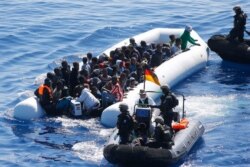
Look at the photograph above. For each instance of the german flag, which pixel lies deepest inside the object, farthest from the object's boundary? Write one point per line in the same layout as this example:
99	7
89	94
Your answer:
151	76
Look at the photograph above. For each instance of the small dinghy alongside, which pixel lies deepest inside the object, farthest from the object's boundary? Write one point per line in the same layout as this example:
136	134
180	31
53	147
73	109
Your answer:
232	51
187	133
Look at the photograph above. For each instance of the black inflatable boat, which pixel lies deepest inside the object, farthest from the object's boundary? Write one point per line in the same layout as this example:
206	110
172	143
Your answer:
184	140
230	50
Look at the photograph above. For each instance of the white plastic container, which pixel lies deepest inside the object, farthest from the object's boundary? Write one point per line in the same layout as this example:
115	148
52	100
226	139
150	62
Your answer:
77	109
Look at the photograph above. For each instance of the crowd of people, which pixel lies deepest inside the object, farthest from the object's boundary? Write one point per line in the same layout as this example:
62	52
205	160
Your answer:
103	80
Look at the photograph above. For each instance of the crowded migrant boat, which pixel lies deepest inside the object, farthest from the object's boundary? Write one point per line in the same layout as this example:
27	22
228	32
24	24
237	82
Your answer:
97	82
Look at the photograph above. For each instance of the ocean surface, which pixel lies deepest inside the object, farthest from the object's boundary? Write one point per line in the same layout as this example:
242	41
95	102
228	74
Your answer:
35	36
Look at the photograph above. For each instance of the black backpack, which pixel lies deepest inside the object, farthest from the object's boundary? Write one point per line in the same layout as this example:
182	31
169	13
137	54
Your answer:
175	101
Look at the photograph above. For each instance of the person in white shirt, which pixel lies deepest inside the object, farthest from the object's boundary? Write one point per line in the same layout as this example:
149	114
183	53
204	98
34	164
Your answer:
145	100
90	102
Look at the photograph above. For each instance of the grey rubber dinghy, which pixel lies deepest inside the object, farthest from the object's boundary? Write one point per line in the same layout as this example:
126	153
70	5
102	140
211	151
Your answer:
183	139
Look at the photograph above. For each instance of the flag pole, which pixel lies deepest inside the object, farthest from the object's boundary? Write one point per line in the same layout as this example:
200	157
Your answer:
144	77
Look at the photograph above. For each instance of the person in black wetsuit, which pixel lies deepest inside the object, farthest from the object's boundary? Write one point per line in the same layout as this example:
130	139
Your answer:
237	32
168	102
125	124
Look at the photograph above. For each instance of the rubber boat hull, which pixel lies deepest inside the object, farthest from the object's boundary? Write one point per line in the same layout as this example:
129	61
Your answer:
230	50
169	73
184	140
29	109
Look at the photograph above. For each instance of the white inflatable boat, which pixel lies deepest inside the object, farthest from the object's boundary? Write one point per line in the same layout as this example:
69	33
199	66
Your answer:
169	73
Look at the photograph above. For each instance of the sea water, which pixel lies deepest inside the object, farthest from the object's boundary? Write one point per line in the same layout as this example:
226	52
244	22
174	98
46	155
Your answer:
35	36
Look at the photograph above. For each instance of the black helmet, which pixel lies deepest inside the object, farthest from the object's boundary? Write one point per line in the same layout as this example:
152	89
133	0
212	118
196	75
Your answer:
123	107
159	120
237	8
165	88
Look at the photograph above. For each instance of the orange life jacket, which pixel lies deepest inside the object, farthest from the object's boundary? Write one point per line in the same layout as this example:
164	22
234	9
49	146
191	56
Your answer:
181	125
41	89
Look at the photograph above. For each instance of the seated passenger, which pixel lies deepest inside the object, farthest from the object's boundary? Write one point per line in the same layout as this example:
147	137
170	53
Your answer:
63	105
124	124
142	135
162	134
90	102
172	40
57	92
112	94
132	83
44	94
166	51
177	47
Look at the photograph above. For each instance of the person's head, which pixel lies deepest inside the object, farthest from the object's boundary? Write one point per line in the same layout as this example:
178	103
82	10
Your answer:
85	85
84	60
47	82
143	43
50	76
159	120
142	127
89	56
172	37
237	9
114	80
132	41
65	91
133	60
165	89
159	47
64	64
81	79
76	65
123	107
178	41
57	71
132	82
59	85
188	28
142	94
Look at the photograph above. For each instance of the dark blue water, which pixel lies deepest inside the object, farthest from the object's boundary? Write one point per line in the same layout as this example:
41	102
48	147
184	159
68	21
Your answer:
36	35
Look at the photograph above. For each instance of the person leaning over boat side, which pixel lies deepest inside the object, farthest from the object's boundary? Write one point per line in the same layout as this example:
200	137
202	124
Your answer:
185	38
168	102
44	94
125	124
90	102
239	25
